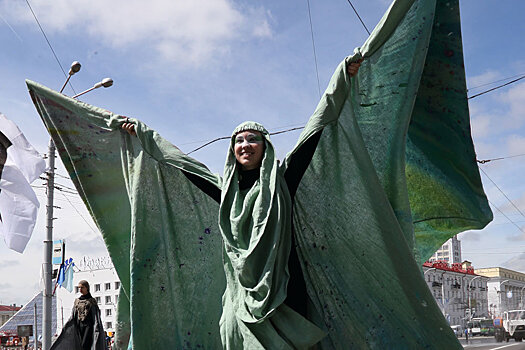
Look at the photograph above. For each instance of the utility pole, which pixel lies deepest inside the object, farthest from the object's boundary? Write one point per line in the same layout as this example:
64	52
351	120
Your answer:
48	252
35	331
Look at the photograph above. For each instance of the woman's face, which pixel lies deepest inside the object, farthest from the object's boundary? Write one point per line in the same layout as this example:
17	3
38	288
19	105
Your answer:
82	289
249	149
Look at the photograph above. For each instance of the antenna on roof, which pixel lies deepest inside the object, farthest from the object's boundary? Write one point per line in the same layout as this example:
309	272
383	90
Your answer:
106	82
75	67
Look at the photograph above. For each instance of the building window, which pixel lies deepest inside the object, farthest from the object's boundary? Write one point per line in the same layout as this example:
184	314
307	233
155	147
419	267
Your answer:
97	287
117	285
108	299
108	312
98	300
108	286
109	325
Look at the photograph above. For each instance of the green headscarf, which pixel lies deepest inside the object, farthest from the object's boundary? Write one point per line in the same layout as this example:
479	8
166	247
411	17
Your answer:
256	227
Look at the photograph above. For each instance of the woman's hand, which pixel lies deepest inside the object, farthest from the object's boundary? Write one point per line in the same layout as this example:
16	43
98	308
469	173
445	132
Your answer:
129	127
353	67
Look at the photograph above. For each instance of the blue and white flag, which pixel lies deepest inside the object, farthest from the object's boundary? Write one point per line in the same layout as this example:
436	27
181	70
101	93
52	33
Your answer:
65	275
20	164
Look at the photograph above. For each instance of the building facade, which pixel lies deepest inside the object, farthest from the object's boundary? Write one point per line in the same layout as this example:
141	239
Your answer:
104	287
26	316
450	252
458	291
7	311
505	289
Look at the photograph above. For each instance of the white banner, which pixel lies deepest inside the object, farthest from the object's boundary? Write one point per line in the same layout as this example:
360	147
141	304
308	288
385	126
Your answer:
20	164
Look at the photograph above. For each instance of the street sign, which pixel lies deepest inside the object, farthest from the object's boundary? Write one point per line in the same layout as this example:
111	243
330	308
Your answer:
24	330
58	251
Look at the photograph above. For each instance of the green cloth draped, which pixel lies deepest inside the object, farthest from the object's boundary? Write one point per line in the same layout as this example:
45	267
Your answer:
256	228
393	176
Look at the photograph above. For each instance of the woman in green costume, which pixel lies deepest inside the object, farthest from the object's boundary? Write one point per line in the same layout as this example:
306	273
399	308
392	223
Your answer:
393	176
265	304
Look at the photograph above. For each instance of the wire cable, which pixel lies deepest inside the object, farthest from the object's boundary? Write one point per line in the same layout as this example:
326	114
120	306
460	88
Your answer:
82	216
228	137
519	228
363	23
497	87
483	161
495	81
503	193
49	44
313	45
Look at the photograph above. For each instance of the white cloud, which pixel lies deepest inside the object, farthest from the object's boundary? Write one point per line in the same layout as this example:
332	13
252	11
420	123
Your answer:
481	126
514	97
472	235
515	145
188	32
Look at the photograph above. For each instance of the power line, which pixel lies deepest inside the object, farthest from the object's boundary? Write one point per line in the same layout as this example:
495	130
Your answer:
313	46
363	23
497	87
228	137
503	193
82	216
519	228
483	161
495	81
49	43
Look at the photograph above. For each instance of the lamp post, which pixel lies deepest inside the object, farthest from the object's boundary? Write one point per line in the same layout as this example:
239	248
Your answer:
442	288
432	268
500	301
521	297
443	292
469	293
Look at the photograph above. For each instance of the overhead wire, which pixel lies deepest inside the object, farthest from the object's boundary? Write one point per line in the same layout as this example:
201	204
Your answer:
228	137
49	44
497	87
483	161
313	46
495	81
82	216
357	14
498	209
503	193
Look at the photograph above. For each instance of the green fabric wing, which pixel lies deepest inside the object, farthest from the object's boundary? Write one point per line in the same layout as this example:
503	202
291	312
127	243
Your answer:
444	186
367	184
160	230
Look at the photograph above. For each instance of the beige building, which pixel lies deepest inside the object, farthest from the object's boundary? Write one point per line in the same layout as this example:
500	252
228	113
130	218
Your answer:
455	287
505	289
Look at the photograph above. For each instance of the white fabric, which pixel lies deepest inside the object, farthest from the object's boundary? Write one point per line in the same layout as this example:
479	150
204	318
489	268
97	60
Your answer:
18	202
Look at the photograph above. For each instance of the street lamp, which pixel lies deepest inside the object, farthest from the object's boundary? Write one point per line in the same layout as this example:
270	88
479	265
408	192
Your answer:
500	301
433	268
469	293
442	288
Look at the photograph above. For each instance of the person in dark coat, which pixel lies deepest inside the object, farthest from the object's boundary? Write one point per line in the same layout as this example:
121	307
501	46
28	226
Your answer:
84	330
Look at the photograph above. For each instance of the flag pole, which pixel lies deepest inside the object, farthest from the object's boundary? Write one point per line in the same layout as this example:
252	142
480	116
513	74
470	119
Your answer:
48	251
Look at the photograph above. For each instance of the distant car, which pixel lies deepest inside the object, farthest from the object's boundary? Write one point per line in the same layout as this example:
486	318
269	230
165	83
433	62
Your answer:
457	330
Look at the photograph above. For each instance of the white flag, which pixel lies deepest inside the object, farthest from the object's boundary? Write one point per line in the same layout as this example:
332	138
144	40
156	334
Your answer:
20	164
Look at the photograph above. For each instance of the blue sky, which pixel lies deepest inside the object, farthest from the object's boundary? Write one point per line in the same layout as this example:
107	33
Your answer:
193	70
